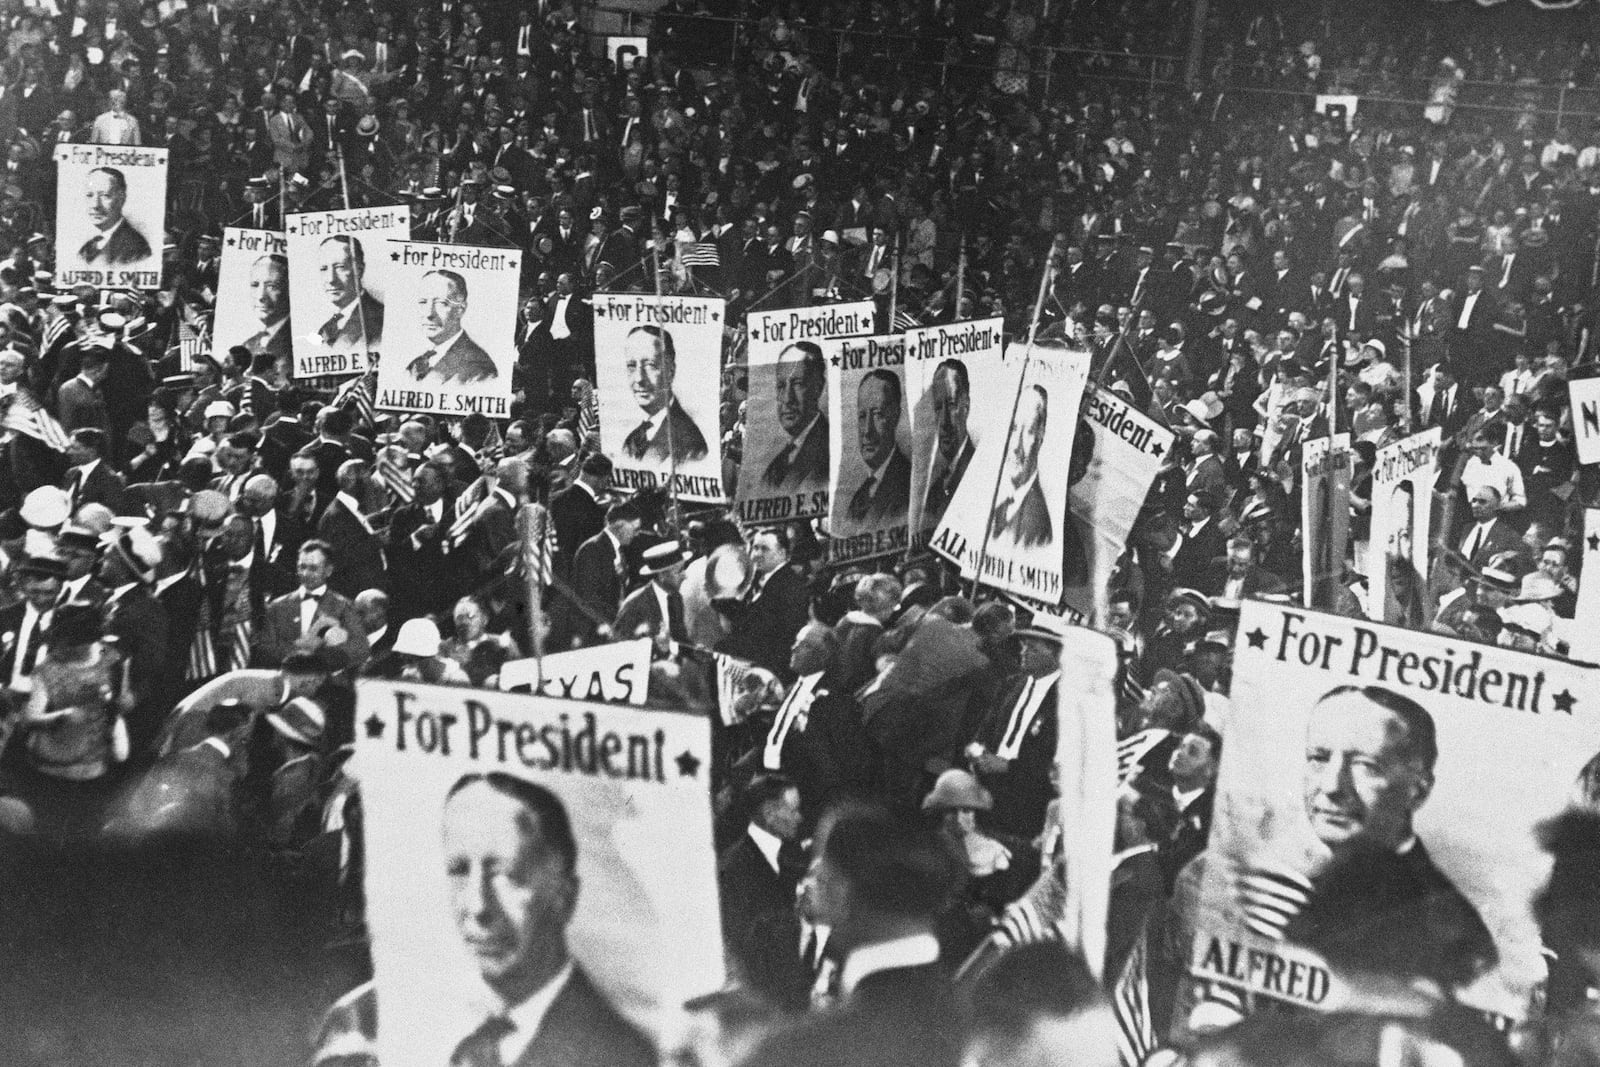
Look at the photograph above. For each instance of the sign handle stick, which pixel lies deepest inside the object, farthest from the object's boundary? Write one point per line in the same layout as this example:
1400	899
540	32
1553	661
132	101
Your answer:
672	452
1011	423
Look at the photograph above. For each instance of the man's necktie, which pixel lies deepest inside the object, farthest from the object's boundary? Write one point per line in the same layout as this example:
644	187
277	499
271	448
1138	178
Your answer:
329	330
260	539
420	366
91	247
1474	542
863	498
481	1048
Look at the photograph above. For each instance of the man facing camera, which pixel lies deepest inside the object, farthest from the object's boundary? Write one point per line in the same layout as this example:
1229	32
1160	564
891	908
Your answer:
1021	516
667	434
886	490
269	299
801	379
356	317
453	357
116	242
1369	768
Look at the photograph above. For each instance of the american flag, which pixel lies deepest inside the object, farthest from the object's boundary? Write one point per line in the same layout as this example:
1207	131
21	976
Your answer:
358	391
701	254
904	320
588	420
25	415
540	544
191	343
1130	1005
731	673
465	517
395	478
58	326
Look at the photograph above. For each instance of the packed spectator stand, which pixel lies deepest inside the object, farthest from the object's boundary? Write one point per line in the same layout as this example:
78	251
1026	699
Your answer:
1286	222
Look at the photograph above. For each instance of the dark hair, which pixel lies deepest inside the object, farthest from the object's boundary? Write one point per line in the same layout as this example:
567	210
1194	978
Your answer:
554	825
94	357
245	439
117	178
893	865
623	511
1421	738
1208	733
91	437
456	281
762	790
781	533
1032	982
811	360
352	245
336	421
890	379
317	544
669	351
959	369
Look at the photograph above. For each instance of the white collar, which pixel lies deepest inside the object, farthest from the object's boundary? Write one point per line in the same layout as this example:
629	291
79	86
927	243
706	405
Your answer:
799	439
655	421
1184	797
915	950
528	1016
319	592
1019	494
768	843
441	349
352	503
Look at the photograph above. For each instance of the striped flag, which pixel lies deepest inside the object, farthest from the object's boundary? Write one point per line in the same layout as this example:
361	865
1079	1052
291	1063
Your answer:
25	415
52	333
1131	751
395	478
701	254
731	674
464	520
539	548
192	343
1130	1005
904	320
359	391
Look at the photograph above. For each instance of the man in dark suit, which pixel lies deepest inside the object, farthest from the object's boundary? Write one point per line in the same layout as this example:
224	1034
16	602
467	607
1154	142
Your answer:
1193	766
577	511
312	611
758	874
1014	748
598	572
951	394
1489	534
355	550
511	859
1021	516
1239	575
655	609
355	316
764	622
452	355
1471	337
878	886
1380	870
1202	540
422	577
886	491
79	402
801	379
89	480
277	539
667	435
269	299
116	241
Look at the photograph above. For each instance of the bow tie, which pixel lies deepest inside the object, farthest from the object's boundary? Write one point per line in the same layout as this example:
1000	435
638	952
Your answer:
313	597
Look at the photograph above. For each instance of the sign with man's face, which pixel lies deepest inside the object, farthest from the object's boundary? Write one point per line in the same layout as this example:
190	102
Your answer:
941	365
659	416
449	341
786	466
342	276
1007	521
507	835
253	294
111	204
1402	509
1376	810
870	439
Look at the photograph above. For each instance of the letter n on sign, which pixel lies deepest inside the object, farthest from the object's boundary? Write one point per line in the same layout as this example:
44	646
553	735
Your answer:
1585	393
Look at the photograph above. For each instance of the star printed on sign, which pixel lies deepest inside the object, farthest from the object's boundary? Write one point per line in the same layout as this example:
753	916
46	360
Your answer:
1257	638
601	311
834	360
688	765
294	229
374	726
395	256
1156	449
716	316
1564	701
232	242
1594	542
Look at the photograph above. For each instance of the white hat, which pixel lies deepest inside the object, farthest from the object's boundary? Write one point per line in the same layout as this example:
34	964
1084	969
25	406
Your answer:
417	637
220	409
831	236
46	507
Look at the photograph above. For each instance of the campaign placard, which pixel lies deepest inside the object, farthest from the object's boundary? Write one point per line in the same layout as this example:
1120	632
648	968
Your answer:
1008	521
507	836
1583	630
1376	808
253	294
342	279
1115	458
1325	464
1584	397
870	440
451	344
111	215
941	363
1402	511
785	472
659	419
615	673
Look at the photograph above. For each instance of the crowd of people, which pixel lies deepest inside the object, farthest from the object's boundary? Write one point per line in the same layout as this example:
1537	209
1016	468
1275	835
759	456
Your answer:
202	554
